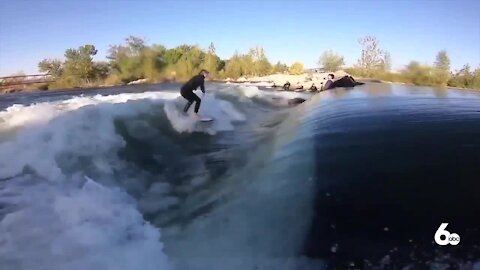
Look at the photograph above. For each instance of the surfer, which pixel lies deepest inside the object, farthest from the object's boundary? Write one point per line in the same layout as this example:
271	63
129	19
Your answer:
187	91
329	83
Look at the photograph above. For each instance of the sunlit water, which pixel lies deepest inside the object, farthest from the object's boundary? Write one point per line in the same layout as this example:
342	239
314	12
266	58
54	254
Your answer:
352	178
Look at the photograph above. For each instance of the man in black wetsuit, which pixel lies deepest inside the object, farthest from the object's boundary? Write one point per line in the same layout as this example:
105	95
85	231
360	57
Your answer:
329	83
188	88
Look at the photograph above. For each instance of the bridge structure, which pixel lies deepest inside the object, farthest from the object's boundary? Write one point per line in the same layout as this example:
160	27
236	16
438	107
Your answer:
25	79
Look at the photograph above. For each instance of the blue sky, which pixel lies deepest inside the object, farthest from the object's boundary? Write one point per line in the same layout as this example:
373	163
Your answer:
31	30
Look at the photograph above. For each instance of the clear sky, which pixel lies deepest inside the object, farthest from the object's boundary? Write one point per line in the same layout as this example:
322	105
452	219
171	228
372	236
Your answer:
31	30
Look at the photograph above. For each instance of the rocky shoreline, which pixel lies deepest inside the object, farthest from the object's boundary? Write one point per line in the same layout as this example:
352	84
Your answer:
302	82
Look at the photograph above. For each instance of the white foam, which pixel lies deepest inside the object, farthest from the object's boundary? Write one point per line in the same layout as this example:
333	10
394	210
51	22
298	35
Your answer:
260	83
57	220
54	218
40	113
250	91
223	113
273	97
92	227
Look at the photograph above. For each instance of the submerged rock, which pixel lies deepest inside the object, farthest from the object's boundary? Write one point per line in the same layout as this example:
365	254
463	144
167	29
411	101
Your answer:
295	101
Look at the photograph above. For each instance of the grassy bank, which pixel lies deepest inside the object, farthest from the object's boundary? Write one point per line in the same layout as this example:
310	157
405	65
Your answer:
424	76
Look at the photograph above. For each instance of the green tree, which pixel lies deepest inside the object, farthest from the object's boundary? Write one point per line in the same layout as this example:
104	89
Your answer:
418	74
136	60
258	62
233	67
465	78
51	66
264	67
442	68
212	61
190	62
331	61
172	56
101	70
79	64
476	79
135	44
296	68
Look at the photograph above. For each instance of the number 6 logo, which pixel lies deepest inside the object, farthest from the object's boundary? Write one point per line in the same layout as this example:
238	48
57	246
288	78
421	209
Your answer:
450	238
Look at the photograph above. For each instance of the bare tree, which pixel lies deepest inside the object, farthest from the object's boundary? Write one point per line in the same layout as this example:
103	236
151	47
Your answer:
373	59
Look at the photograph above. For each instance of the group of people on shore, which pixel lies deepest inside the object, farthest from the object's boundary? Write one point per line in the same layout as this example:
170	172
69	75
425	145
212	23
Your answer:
345	81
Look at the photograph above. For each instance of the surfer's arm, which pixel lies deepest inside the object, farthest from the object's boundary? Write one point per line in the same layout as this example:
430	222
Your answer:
202	86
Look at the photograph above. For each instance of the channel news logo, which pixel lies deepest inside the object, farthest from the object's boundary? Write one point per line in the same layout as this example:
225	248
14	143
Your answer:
444	237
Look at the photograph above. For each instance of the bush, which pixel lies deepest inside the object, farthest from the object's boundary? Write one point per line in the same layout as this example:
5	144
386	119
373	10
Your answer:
113	79
43	87
296	68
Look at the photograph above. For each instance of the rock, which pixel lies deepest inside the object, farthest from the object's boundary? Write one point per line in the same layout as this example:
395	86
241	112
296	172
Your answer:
295	101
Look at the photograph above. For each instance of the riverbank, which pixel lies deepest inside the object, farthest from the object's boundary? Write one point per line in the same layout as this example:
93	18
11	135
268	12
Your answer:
305	81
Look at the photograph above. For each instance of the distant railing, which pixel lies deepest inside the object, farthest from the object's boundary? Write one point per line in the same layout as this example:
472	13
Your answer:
26	79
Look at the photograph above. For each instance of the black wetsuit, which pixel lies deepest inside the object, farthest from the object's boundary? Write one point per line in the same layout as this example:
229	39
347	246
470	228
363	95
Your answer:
328	85
187	91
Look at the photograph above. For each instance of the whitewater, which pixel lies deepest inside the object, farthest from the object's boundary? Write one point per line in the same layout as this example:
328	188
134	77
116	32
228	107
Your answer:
71	197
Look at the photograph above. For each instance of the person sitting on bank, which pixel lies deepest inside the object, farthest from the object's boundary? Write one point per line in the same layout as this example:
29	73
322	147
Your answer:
286	86
329	83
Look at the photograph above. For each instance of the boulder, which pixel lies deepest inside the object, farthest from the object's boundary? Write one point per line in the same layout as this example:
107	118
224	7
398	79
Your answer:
295	101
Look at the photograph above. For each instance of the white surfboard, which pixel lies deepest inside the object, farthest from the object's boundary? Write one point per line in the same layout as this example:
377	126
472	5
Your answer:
206	119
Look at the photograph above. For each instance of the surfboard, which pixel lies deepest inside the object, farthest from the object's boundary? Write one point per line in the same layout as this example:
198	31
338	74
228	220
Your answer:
206	119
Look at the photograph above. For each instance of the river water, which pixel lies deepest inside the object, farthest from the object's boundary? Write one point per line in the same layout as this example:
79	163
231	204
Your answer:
352	178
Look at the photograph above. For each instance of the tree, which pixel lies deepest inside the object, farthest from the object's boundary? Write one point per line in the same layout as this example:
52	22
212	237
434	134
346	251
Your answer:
331	61
233	67
190	62
463	78
51	66
212	61
386	62
172	56
135	60
296	68
372	59
135	44
418	74
442	68
279	68
79	63
101	70
257	62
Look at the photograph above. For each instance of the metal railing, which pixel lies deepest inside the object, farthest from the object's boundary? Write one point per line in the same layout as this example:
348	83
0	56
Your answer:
26	79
